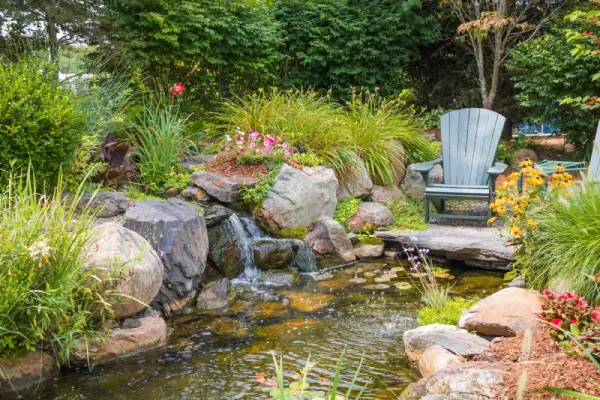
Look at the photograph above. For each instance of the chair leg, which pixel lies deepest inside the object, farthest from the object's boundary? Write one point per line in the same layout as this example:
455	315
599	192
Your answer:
426	210
442	205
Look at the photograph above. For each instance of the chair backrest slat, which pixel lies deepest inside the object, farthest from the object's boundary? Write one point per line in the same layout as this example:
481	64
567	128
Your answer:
470	140
594	168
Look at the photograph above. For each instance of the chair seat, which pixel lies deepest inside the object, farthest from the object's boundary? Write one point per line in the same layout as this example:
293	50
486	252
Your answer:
457	191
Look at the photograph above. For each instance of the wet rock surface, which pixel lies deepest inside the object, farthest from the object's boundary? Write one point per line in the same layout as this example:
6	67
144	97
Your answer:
216	294
329	237
272	253
24	372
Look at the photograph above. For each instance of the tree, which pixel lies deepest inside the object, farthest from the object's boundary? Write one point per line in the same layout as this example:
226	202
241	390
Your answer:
55	22
490	28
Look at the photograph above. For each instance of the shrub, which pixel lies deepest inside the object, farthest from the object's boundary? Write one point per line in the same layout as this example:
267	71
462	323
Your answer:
449	315
45	300
564	250
408	215
39	120
254	196
345	209
308	159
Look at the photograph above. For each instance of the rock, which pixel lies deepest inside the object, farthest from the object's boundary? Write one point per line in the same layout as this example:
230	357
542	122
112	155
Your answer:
392	254
357	184
384	194
366	250
518	283
179	305
21	373
308	302
190	162
224	189
227	248
269	309
323	277
106	204
436	358
272	253
194	194
505	313
454	396
521	155
414	185
122	343
329	237
178	233
304	257
297	198
131	323
472	380
279	277
215	214
399	173
174	191
127	265
216	294
458	341
353	238
370	214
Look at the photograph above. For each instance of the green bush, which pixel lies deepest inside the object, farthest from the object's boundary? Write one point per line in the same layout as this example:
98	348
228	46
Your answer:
39	120
449	314
504	153
563	252
408	215
345	209
307	159
45	301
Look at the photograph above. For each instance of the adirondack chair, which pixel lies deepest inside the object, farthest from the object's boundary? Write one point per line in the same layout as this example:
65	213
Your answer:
594	167
470	140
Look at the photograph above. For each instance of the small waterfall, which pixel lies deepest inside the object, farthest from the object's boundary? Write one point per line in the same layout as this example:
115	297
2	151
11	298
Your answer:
252	228
245	241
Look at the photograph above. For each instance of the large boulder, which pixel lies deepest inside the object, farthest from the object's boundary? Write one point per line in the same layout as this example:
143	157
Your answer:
472	380
272	253
304	256
178	233
298	198
122	343
104	204
384	194
216	294
194	194
522	155
329	237
229	247
414	185
458	341
127	265
27	371
436	358
356	184
370	214
368	250
505	313
224	189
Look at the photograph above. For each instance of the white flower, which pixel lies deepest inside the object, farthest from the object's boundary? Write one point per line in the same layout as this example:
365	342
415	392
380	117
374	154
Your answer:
39	250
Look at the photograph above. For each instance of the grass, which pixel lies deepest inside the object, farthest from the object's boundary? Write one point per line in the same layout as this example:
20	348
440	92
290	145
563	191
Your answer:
448	315
408	215
45	300
564	250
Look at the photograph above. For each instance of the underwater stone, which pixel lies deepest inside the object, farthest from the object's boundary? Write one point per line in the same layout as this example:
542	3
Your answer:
272	253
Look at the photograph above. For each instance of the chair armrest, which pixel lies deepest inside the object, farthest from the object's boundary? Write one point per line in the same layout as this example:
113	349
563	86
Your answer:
427	166
497	169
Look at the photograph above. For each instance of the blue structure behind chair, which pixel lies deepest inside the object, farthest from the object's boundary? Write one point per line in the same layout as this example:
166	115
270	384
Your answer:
470	139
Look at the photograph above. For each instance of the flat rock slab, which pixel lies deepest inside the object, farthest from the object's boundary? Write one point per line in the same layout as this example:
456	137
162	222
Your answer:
477	247
458	341
505	313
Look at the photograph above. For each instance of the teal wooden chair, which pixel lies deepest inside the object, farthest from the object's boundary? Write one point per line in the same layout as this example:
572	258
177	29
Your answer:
470	140
594	167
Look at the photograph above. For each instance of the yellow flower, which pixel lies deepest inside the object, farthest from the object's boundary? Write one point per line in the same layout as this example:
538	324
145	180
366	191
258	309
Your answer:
514	176
515	231
491	220
531	222
559	168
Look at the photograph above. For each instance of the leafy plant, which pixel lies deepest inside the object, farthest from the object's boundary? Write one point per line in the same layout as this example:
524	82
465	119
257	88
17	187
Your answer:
504	153
308	159
430	119
114	153
45	299
449	314
345	209
40	123
408	215
254	196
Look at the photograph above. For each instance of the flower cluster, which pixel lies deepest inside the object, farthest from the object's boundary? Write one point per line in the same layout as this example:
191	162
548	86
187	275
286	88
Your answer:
513	205
256	146
177	89
573	322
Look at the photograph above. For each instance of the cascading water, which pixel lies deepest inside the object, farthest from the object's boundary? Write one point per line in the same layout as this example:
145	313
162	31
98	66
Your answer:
245	242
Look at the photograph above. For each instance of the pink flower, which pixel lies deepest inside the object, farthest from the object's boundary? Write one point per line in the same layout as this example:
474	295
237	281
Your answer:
252	145
227	148
288	153
548	293
582	303
556	323
570	295
596	315
270	139
284	145
258	135
177	89
238	138
561	297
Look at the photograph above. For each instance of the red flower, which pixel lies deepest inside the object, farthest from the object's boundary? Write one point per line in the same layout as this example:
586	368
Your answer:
177	89
570	295
574	322
596	316
548	293
556	323
582	303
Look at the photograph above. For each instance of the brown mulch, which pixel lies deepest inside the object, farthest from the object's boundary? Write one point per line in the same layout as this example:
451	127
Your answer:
547	365
227	167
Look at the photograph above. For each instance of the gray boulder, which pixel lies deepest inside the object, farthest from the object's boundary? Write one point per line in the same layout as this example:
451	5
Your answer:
458	341
368	250
178	233
216	294
329	237
414	185
194	194
191	162
24	372
357	184
272	253
370	214
127	265
228	250
521	155
384	194
224	189
297	198
304	256
279	277
105	204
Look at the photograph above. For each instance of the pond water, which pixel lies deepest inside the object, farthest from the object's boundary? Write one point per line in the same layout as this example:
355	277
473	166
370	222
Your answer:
228	354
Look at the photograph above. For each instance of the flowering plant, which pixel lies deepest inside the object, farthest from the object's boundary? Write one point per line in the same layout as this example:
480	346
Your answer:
568	312
177	89
513	204
255	147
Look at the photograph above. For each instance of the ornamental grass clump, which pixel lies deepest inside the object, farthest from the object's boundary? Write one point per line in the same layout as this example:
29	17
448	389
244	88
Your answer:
45	302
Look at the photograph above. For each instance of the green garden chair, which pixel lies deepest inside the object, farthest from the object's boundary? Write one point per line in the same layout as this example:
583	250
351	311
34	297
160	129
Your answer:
470	140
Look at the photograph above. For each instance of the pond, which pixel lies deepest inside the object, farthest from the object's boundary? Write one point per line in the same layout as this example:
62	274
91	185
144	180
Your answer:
228	354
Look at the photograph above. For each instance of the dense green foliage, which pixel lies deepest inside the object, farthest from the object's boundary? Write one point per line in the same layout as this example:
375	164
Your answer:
448	315
563	253
408	215
44	298
337	45
345	209
545	72
39	120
